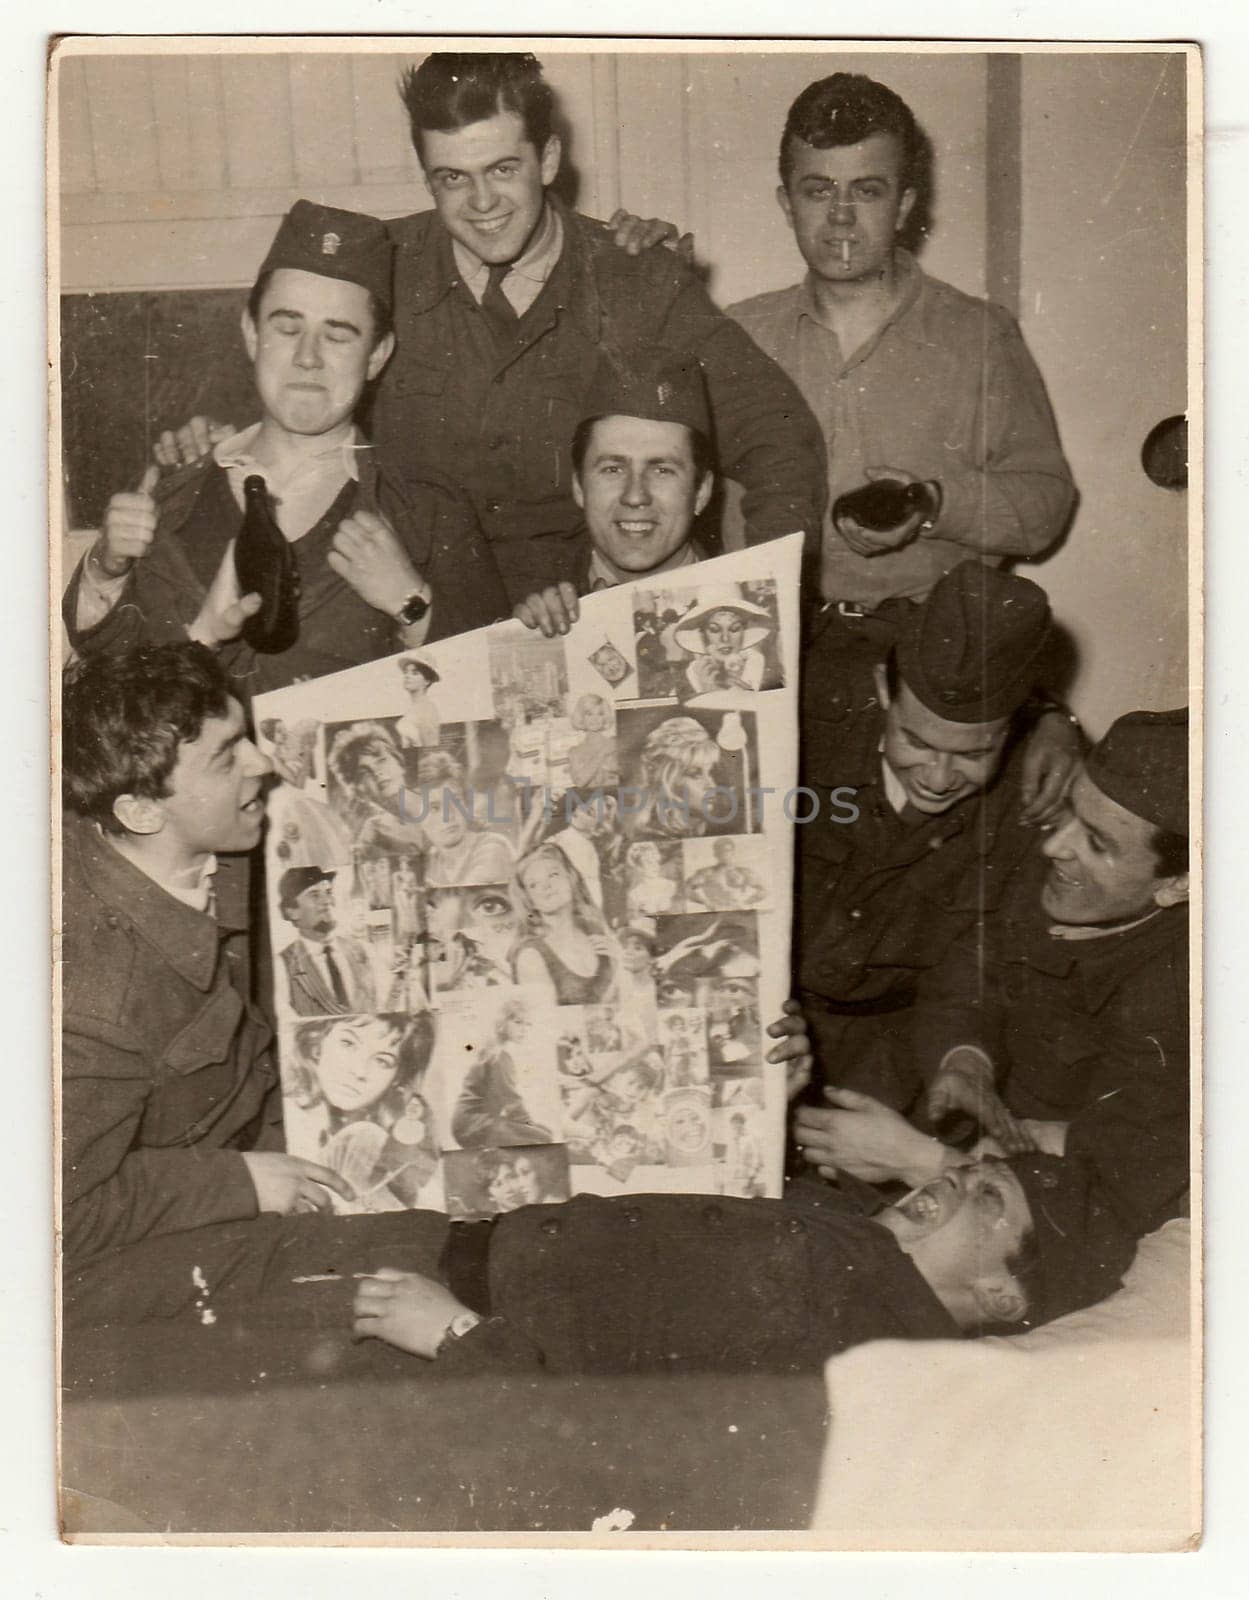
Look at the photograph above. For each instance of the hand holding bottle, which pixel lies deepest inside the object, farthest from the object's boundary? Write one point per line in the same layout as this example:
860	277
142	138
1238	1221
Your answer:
887	512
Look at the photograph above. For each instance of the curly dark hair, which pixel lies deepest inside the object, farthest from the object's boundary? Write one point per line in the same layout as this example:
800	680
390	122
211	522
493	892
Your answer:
452	88
847	108
124	719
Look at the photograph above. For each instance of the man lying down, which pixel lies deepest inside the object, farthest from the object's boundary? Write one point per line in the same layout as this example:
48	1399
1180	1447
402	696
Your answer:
664	1283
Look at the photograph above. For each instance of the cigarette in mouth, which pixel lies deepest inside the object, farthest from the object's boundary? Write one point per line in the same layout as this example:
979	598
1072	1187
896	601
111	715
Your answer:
845	252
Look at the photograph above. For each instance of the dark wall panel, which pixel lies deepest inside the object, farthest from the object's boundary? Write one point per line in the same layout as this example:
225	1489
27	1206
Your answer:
133	364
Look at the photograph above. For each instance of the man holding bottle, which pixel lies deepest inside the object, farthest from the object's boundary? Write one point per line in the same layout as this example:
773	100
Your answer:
380	561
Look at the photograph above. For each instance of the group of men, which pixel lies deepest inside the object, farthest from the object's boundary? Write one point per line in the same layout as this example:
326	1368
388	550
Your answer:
998	1020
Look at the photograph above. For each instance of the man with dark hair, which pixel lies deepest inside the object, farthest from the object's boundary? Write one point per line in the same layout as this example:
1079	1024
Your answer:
504	300
917	764
169	1111
382	561
1062	1023
910	379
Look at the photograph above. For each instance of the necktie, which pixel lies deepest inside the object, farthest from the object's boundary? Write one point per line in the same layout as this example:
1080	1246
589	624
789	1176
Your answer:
336	978
498	309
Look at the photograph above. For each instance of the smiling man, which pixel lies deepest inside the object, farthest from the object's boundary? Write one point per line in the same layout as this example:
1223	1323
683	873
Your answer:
642	471
382	561
1062	1024
505	298
909	378
925	746
170	1114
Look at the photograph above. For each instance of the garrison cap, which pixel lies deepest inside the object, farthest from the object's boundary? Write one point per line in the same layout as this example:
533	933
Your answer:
1142	765
335	244
972	650
1082	1247
649	381
295	880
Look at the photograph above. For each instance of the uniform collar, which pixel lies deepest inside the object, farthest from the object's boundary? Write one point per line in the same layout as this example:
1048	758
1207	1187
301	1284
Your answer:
536	263
184	939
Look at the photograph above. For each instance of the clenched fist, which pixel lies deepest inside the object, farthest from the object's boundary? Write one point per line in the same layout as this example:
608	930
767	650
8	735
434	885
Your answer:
367	555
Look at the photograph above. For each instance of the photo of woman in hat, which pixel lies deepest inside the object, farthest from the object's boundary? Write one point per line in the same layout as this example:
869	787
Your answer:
419	724
723	636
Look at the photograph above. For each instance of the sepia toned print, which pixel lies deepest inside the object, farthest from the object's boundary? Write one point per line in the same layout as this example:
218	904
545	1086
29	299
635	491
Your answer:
688	936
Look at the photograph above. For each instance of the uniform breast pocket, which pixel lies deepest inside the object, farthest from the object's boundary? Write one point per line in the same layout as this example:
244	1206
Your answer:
201	1068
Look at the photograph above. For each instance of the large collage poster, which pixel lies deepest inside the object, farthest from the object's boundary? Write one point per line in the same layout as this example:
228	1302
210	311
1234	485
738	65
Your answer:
529	900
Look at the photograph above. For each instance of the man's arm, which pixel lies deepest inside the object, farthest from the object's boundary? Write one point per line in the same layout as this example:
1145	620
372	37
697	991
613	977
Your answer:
1015	499
438	529
423	1317
767	438
113	1194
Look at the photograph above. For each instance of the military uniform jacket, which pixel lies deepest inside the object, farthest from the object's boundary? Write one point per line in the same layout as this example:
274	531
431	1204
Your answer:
1091	1032
499	420
880	900
689	1283
197	518
166	1071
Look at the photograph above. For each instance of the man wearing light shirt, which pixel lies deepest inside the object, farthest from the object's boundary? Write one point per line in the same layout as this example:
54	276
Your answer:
383	561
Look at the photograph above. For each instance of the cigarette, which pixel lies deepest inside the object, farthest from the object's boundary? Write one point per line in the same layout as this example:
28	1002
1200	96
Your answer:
330	1277
845	252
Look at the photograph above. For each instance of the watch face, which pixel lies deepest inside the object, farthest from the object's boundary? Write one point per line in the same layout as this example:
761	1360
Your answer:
412	610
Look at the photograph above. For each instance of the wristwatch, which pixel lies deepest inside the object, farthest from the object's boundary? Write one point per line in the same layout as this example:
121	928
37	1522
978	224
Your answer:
413	609
463	1322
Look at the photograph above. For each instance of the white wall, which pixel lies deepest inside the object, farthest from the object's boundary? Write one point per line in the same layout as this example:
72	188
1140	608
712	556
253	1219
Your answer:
1104	287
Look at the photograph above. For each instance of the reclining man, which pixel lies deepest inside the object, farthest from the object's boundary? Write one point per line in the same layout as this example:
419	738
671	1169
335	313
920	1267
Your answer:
170	1113
1063	1025
671	1283
383	561
918	767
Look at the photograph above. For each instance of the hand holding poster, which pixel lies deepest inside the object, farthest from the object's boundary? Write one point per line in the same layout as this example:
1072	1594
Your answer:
530	900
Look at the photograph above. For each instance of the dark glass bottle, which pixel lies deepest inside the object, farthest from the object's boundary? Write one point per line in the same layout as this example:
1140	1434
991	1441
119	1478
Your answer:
886	503
265	563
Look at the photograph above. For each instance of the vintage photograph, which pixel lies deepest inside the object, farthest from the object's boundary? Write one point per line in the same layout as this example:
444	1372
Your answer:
625	754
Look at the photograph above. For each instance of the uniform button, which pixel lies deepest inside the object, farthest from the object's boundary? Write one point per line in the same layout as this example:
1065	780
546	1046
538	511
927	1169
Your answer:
551	1225
632	1216
493	507
856	915
796	1225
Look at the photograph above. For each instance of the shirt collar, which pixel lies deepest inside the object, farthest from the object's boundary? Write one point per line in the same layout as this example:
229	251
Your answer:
537	261
603	577
910	280
236	452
